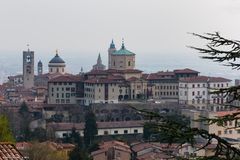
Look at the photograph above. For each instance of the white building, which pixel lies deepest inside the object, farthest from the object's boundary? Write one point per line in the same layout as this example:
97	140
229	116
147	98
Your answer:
60	130
196	91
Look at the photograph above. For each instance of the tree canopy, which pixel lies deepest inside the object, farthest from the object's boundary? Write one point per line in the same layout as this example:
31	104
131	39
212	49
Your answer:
90	130
226	52
5	131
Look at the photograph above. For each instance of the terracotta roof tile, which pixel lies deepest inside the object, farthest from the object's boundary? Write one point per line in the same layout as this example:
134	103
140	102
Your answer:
204	79
9	151
102	125
66	78
186	70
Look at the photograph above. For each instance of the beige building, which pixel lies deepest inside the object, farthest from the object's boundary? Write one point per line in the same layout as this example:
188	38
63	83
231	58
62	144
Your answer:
112	150
63	89
164	85
122	59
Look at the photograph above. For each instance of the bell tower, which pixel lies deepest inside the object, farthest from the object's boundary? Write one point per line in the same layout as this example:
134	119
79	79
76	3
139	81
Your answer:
28	68
111	49
40	68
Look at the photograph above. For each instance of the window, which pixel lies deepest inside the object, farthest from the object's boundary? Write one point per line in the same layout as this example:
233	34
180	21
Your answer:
116	132
62	100
67	100
203	100
198	85
129	63
67	89
219	132
230	131
105	132
126	131
203	85
67	95
225	132
57	95
193	93
203	92
193	86
57	101
135	131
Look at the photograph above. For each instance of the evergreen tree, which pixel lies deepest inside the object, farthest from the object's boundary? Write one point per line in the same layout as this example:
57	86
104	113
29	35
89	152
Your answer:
90	129
5	131
25	117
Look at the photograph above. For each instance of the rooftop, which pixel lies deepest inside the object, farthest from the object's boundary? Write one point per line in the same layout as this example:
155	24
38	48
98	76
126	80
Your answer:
204	79
57	59
9	151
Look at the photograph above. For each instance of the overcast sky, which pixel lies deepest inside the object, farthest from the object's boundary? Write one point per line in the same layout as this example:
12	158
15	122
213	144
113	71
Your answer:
149	27
89	25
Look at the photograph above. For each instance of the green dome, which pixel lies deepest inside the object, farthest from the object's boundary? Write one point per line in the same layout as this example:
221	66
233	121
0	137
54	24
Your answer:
123	51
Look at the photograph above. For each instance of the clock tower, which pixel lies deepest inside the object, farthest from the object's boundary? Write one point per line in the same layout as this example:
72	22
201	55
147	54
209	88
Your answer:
28	69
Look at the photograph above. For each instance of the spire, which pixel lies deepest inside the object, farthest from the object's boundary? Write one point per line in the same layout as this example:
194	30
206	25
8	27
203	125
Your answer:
99	60
112	45
123	46
56	52
28	47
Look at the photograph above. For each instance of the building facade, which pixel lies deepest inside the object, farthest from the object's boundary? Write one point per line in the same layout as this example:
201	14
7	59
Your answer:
196	91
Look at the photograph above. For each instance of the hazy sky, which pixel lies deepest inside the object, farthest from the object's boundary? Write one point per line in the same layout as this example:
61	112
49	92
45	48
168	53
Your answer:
85	27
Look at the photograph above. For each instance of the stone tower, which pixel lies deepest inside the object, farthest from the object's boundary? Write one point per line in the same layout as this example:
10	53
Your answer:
40	68
110	52
28	69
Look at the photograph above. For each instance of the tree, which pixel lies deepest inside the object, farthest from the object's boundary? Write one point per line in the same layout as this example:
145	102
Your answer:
39	151
5	131
79	152
25	117
39	134
90	129
222	50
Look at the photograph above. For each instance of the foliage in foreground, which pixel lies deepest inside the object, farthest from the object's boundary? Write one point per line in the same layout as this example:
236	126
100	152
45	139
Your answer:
222	50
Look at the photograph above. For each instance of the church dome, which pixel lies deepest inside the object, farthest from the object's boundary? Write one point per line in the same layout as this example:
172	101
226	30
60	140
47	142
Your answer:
57	59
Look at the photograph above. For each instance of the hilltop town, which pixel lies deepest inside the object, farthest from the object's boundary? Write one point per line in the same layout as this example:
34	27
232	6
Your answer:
54	104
